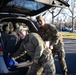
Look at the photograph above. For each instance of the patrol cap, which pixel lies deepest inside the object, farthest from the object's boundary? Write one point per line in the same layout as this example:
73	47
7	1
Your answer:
10	25
39	17
20	24
22	28
0	25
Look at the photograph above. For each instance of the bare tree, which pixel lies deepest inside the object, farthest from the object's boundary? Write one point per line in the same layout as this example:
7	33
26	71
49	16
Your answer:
72	13
73	21
53	13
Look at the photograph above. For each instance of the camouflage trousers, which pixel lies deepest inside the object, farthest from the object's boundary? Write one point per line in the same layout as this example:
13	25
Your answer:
48	67
61	57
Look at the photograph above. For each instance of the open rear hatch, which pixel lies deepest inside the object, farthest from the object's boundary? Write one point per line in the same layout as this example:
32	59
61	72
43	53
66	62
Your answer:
29	7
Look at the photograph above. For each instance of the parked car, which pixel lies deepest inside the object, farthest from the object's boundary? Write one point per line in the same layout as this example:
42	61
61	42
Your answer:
66	29
17	11
70	30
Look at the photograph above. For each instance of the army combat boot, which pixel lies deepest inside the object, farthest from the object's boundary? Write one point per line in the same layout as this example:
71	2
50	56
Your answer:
64	72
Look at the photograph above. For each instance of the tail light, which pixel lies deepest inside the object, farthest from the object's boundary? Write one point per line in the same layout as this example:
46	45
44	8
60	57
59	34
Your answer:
1	52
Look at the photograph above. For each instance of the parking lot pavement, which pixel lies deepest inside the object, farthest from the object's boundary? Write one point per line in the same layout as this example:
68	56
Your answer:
70	49
70	45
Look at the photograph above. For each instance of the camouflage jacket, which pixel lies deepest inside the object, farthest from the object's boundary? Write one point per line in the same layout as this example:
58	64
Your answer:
34	46
49	32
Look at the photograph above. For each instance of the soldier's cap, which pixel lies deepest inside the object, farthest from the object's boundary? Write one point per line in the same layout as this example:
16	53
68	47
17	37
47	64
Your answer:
10	25
22	28
39	17
0	25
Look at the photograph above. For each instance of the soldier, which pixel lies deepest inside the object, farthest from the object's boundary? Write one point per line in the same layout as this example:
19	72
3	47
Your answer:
5	35
9	44
10	39
50	33
35	47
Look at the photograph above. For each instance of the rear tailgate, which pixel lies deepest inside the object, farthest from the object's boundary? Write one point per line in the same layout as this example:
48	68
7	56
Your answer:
3	67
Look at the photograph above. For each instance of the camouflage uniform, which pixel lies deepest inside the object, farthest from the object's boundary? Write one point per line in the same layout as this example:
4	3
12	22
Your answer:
49	33
36	48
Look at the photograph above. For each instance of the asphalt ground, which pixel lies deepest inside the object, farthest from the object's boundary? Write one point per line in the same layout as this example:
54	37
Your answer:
70	49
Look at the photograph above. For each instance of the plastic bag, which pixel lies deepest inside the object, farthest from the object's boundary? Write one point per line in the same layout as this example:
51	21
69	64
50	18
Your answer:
10	62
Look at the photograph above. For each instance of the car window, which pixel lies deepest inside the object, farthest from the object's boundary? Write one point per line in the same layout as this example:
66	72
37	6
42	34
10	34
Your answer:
27	4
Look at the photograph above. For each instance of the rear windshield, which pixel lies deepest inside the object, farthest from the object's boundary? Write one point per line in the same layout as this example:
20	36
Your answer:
27	4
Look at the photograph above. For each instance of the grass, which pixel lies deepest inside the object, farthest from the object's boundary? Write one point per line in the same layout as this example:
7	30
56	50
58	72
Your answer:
70	35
